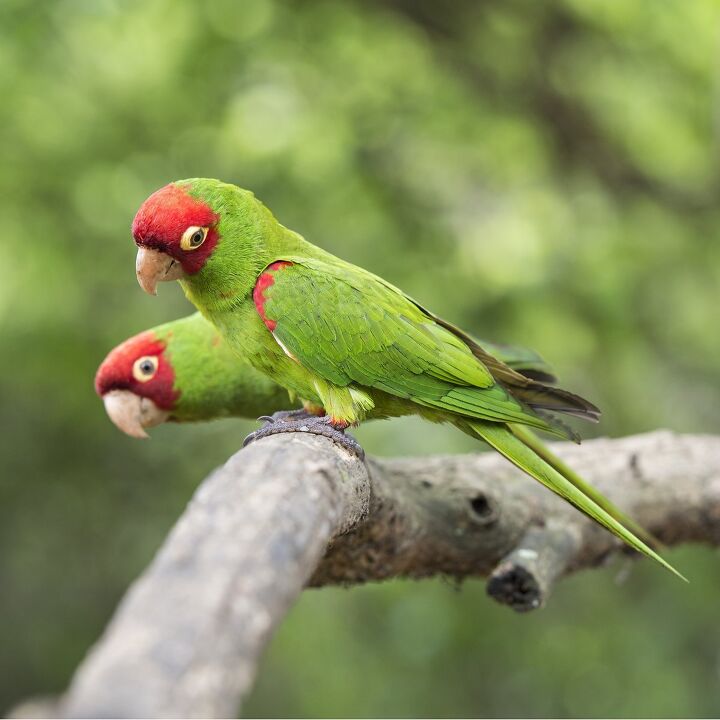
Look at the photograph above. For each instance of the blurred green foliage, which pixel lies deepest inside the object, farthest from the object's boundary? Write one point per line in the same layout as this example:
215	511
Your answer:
540	173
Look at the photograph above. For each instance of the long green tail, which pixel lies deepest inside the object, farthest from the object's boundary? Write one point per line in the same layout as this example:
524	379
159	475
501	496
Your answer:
528	437
524	456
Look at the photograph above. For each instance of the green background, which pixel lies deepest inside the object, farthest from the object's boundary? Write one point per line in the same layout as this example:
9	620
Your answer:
543	173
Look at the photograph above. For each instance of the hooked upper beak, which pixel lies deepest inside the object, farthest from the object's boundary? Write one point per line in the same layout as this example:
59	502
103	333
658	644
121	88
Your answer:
153	266
132	413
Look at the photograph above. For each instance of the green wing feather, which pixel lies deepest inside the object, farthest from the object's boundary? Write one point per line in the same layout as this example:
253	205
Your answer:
359	330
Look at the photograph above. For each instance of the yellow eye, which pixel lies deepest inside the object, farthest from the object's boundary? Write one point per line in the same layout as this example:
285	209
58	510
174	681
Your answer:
193	237
144	368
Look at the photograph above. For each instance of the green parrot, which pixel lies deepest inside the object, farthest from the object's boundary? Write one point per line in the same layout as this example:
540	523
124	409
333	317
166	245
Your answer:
343	339
183	371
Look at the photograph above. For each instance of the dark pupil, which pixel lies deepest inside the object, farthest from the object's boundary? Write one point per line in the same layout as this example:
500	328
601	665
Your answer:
197	237
146	367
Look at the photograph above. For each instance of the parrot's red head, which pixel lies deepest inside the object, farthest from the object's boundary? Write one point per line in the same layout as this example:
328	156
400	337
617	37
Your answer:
176	233
136	382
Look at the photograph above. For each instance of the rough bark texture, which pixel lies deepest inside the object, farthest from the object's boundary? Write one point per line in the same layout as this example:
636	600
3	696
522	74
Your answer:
294	510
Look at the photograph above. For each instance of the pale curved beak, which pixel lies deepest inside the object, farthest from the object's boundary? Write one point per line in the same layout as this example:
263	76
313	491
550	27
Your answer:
132	413
153	266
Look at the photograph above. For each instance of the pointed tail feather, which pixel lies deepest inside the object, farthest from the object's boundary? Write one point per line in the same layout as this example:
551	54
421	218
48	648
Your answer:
501	438
528	437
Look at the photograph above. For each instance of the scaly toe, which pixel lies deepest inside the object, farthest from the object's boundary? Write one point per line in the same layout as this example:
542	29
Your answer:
285	415
304	422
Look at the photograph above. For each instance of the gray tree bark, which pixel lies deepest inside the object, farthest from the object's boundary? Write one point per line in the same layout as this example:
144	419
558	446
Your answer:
292	511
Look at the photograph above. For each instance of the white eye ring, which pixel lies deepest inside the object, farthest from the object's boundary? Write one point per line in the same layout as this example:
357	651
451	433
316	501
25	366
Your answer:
193	237
144	368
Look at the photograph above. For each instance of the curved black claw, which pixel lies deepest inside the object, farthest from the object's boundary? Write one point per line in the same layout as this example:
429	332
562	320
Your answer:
294	421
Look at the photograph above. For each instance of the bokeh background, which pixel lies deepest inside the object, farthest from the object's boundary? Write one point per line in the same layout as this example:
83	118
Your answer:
543	173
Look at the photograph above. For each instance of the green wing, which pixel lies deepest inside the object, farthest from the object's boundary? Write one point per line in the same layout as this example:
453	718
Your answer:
350	327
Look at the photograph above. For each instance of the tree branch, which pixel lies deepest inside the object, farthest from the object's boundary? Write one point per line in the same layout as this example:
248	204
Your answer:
294	510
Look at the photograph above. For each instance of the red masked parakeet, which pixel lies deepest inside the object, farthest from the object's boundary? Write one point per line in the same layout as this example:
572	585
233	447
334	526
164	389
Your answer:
181	372
347	340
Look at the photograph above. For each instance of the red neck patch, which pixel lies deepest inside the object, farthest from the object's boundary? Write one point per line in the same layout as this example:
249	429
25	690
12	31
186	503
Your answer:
264	281
116	371
163	218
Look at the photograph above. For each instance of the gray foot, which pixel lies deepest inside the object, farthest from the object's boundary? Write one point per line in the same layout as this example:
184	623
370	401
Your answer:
300	421
286	415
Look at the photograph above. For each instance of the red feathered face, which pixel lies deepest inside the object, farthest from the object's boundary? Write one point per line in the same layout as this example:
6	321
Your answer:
140	366
136	383
173	222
